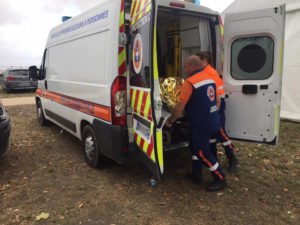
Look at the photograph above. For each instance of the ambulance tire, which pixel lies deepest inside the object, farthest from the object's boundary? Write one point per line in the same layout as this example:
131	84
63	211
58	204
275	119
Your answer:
90	147
40	114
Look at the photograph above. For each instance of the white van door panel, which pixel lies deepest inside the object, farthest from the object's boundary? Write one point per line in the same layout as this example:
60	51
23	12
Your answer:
253	48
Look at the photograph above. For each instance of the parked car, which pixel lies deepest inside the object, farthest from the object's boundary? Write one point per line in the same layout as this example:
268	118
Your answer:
4	129
1	78
17	79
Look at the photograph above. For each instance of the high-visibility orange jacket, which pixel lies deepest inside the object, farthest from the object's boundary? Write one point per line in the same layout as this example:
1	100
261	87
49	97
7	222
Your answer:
219	82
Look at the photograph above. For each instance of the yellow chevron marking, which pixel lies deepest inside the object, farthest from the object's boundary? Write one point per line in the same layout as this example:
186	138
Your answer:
122	57
140	102
138	15
122	18
132	4
148	7
145	147
133	99
136	7
153	155
138	140
147	105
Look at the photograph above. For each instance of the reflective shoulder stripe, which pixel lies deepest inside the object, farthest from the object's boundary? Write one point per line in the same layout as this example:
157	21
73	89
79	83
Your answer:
226	143
194	157
212	140
220	88
202	83
213	109
214	167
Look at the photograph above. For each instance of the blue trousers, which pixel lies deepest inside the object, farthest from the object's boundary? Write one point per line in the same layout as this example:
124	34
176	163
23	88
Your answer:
201	155
221	135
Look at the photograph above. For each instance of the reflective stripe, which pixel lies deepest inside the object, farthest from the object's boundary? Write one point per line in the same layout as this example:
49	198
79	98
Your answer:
212	140
222	96
226	143
215	167
213	109
160	153
155	66
202	83
220	88
194	157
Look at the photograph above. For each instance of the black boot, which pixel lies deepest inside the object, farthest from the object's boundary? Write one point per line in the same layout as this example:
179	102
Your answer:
196	177
217	185
232	163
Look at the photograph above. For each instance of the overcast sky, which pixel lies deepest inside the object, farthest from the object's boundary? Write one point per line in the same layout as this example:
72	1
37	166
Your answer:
24	26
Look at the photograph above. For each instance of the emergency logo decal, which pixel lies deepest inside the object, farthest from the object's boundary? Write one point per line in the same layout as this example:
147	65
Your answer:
137	54
211	93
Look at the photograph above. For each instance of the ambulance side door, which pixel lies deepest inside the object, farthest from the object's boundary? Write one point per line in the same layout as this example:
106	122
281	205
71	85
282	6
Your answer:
253	55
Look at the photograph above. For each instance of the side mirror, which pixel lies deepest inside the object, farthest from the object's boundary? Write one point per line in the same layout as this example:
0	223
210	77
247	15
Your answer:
33	72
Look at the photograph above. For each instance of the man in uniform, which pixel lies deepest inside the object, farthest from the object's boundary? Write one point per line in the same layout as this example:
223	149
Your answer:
198	98
206	61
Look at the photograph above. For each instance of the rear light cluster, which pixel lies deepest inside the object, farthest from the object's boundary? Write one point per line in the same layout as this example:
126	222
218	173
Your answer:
10	78
119	101
178	5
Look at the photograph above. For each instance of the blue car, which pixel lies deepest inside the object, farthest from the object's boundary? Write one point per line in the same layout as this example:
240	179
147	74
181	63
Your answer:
4	129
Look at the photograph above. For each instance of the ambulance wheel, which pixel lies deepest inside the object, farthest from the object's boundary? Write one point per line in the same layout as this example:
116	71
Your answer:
90	146
40	114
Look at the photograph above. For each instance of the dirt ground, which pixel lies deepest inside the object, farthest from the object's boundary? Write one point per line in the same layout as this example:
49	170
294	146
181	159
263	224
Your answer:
44	171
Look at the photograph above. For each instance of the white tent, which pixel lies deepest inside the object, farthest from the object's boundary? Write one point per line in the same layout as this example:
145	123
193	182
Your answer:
290	102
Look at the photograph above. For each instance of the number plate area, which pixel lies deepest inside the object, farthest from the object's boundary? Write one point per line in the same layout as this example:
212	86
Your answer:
142	130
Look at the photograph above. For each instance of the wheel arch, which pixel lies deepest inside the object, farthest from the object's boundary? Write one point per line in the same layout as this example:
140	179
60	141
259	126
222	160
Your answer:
83	123
37	99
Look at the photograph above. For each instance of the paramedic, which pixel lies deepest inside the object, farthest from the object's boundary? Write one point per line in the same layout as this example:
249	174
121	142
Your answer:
198	98
206	62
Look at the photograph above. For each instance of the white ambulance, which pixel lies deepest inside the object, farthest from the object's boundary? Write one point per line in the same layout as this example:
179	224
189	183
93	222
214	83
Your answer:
101	70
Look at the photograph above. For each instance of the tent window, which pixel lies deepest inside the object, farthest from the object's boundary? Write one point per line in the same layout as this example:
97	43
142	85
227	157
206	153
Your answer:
252	58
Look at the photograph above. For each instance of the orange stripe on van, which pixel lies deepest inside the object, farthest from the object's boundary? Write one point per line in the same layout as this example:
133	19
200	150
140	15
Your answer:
99	111
39	92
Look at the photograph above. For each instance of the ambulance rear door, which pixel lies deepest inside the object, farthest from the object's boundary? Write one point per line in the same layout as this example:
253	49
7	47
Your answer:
253	55
144	89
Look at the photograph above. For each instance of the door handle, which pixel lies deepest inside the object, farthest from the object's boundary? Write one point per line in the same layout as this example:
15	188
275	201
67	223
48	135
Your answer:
249	89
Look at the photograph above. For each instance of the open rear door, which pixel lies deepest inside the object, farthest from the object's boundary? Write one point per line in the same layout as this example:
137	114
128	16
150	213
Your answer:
253	54
144	88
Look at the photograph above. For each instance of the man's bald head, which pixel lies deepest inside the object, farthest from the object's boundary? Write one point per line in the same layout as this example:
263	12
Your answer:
191	64
193	60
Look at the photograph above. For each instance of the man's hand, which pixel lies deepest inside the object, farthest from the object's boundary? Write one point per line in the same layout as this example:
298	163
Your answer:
168	124
178	111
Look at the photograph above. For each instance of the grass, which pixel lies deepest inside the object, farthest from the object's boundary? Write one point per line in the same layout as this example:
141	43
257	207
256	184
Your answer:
265	189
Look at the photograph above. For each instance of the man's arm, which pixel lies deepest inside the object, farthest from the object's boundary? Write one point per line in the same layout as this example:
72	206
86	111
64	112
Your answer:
218	102
178	111
184	97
